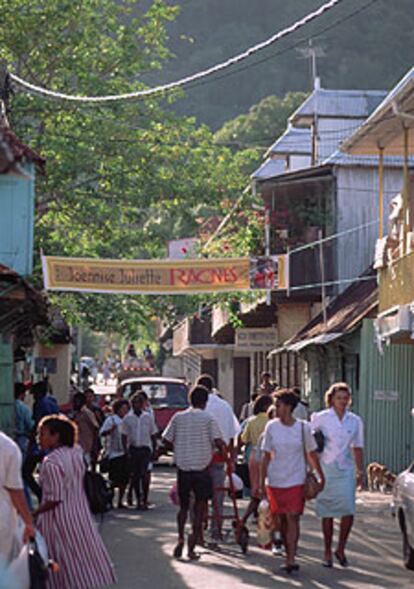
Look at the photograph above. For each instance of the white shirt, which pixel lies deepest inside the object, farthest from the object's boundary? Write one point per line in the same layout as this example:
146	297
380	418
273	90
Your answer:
223	414
10	478
287	467
301	412
139	429
340	436
193	433
113	441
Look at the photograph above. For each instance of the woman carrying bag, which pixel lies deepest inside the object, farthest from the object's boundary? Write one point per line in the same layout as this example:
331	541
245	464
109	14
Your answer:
342	463
64	518
287	445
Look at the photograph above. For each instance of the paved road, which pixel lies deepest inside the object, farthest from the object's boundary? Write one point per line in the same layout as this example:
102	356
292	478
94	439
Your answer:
141	545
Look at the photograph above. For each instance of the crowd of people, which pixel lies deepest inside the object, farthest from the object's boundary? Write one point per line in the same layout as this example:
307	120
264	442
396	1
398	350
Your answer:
281	444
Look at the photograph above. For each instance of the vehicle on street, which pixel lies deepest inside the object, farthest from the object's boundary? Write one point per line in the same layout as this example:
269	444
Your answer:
403	508
167	395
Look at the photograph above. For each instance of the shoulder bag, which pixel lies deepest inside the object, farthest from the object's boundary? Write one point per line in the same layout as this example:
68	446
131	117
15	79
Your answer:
311	485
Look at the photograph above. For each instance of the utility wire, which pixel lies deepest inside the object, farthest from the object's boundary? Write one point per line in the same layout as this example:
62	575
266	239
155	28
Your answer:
334	24
32	88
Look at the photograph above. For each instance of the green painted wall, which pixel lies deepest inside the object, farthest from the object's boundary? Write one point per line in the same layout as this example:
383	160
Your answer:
389	426
6	387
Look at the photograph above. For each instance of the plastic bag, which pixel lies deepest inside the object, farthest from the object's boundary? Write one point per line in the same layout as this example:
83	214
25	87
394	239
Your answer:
264	525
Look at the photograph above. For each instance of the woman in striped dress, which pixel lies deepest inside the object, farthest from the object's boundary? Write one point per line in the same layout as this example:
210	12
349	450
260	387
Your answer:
64	517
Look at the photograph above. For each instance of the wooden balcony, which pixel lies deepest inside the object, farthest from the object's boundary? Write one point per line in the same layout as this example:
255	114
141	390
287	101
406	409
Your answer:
397	283
192	333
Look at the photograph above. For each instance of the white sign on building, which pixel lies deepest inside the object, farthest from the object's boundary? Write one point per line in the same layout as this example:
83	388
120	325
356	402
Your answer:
256	339
386	396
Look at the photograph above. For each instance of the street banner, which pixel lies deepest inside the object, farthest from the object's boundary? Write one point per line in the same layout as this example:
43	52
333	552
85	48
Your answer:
190	276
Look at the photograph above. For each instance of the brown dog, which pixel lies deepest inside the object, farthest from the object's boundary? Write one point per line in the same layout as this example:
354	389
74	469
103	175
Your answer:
379	477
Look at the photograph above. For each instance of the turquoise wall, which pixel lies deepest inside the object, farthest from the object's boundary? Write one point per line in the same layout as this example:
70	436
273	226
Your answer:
16	221
6	387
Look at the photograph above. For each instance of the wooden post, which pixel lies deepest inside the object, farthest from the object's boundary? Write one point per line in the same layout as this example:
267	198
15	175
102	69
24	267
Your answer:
406	204
381	192
323	288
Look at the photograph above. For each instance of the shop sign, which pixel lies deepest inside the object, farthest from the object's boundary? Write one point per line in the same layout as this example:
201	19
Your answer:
251	339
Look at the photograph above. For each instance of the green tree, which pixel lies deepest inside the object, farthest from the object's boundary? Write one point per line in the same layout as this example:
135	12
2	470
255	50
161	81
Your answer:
263	123
121	178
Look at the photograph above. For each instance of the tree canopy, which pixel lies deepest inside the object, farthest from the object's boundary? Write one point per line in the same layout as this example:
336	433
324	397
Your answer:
121	179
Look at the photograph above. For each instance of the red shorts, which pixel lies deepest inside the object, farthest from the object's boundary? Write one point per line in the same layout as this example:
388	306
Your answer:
286	500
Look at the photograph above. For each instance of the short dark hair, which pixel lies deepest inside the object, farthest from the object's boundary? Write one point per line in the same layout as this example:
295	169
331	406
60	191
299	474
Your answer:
63	426
254	395
205	380
136	397
265	373
198	396
288	397
19	389
262	404
89	390
117	405
79	399
40	388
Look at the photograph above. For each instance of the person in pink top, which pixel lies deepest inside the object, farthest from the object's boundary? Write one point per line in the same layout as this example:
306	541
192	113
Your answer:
63	517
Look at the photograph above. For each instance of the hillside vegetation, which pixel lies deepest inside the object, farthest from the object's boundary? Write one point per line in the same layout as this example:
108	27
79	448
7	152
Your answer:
372	50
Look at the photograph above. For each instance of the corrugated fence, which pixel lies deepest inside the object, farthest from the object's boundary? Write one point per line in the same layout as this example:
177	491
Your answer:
385	400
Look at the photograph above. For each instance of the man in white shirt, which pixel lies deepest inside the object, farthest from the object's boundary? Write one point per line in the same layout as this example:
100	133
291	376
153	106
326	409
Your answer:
138	436
12	500
230	428
193	434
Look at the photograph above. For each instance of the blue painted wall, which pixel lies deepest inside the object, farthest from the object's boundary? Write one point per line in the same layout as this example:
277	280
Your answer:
16	221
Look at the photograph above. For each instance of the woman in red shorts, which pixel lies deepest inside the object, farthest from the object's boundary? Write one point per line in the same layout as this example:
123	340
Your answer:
286	440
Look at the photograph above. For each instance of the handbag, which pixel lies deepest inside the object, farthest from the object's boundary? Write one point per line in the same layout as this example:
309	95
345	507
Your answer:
104	464
319	439
38	568
311	486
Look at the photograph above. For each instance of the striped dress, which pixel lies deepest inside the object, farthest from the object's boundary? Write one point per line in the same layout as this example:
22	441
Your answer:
69	530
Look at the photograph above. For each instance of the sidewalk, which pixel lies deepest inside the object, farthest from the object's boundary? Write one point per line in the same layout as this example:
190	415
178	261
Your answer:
141	545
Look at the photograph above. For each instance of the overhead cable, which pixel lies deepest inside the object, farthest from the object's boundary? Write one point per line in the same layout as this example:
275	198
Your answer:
139	94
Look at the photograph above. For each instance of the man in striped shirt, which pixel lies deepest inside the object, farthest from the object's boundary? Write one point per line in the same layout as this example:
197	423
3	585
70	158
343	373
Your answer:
193	434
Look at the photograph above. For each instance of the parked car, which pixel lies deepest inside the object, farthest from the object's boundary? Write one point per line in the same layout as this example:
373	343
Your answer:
403	508
167	395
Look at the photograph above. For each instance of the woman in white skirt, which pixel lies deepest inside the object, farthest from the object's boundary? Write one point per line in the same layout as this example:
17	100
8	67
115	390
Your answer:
342	464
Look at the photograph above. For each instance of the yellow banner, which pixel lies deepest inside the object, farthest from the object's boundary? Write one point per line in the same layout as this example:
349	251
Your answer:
161	276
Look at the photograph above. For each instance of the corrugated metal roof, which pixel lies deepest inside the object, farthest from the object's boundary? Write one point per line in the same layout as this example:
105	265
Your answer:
383	128
343	159
338	103
343	313
269	169
293	141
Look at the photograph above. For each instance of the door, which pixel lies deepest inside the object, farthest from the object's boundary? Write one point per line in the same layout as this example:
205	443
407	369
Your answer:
210	367
6	387
241	382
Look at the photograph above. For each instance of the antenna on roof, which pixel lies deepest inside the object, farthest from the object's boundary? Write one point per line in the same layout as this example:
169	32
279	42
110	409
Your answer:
313	52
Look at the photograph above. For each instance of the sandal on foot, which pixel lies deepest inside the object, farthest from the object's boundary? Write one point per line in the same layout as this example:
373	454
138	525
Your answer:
193	555
289	568
343	561
178	550
327	563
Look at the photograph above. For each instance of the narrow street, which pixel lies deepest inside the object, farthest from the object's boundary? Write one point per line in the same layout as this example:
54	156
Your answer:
141	545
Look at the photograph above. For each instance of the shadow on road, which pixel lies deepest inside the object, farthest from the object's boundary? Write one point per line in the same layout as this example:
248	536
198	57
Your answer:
141	546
